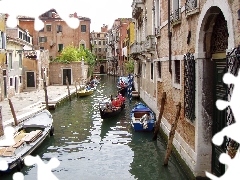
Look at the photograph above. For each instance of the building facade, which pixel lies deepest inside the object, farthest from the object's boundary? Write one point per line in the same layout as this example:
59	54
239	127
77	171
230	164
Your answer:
195	44
56	33
115	37
99	49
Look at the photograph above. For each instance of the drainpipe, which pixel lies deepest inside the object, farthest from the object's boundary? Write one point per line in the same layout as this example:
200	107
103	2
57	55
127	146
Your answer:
169	39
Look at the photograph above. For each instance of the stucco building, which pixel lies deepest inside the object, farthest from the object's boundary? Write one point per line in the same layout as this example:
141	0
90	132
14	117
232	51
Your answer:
56	33
99	49
195	44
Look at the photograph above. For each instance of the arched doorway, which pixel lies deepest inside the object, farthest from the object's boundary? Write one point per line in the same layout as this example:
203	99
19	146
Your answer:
102	69
215	44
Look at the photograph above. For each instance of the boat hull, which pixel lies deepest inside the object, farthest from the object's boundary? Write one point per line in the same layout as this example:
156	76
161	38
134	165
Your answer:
85	93
108	114
142	118
41	121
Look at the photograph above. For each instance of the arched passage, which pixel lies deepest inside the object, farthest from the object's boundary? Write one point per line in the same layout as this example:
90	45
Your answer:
213	37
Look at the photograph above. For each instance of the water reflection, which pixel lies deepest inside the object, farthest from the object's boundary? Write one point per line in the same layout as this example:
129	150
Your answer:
91	148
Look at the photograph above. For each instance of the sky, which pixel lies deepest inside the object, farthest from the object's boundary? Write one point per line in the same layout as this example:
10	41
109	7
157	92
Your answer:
104	11
99	11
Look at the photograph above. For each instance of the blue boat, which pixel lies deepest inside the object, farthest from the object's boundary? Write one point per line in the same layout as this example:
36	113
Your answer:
142	118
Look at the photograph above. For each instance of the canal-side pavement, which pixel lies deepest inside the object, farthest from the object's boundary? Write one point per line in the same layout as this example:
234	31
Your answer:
28	103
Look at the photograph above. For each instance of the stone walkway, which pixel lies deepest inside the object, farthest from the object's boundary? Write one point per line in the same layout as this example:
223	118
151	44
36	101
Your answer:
27	103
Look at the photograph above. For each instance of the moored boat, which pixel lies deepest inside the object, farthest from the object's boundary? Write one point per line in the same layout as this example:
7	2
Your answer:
29	134
85	91
122	85
111	107
142	118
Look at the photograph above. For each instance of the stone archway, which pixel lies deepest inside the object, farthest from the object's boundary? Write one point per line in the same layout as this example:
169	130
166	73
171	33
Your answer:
214	21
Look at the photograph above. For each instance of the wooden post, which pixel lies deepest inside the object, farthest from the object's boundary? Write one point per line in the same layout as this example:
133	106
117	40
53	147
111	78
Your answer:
157	126
45	89
1	123
171	135
13	112
76	88
69	95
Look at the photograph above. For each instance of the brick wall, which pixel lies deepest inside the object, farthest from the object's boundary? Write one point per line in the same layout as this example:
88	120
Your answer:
56	72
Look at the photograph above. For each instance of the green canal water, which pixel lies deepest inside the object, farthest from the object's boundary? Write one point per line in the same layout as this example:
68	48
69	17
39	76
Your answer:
90	148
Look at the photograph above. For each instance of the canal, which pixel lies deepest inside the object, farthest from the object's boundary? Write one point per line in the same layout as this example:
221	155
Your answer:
91	148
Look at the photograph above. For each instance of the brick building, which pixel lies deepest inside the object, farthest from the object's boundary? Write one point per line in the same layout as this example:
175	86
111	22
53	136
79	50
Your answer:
197	42
56	33
99	49
116	36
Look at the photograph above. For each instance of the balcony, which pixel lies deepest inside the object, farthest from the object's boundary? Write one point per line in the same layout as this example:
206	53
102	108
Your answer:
137	8
191	7
176	17
150	44
135	48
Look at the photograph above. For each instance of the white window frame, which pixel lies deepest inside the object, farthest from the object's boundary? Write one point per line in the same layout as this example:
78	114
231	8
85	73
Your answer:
174	84
50	26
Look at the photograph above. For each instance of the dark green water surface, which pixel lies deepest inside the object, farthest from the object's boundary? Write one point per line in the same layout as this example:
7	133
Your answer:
90	148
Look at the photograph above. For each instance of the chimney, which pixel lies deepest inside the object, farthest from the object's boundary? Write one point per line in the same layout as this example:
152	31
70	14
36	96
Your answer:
75	15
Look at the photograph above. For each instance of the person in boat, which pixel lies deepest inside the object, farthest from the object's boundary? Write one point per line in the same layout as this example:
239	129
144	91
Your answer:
88	87
121	98
122	85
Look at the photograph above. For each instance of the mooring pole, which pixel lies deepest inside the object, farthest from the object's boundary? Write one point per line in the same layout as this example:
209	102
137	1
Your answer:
45	89
157	126
171	135
69	95
13	112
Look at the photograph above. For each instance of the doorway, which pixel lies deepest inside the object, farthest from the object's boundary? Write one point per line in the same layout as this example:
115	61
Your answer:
101	69
67	73
30	79
16	85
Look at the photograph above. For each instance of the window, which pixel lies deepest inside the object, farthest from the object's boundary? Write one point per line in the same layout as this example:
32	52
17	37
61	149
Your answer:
10	60
144	70
175	10
151	71
42	39
28	39
105	49
104	57
99	42
99	49
83	28
103	42
42	48
20	34
2	40
60	47
100	58
98	35
177	71
11	81
191	5
95	42
83	45
159	69
20	79
59	28
20	60
49	27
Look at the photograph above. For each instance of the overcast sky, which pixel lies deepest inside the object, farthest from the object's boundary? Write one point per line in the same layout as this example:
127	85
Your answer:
104	11
99	11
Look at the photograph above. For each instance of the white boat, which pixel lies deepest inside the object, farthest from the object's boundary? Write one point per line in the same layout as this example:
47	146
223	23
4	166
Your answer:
29	134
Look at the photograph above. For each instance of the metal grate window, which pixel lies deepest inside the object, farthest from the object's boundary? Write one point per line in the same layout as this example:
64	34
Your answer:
189	86
177	71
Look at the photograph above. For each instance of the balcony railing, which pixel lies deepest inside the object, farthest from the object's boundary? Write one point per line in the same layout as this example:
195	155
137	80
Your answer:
176	16
150	43
135	48
191	5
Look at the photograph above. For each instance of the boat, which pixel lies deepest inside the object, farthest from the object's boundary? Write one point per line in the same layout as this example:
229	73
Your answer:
108	109
142	118
85	91
29	134
122	85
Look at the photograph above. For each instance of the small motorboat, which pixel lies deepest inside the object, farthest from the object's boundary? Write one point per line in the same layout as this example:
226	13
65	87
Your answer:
111	107
30	133
85	91
142	118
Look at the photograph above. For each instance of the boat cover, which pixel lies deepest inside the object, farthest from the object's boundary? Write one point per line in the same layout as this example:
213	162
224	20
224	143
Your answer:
141	107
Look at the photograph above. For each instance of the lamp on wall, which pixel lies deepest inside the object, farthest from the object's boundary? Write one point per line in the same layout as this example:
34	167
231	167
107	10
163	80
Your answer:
238	12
